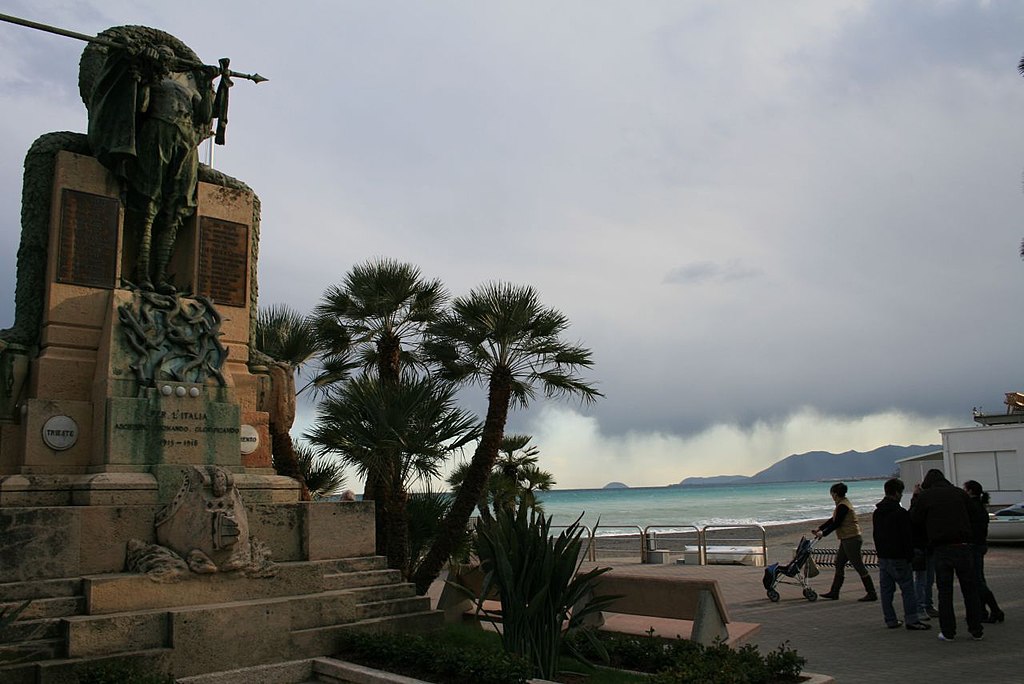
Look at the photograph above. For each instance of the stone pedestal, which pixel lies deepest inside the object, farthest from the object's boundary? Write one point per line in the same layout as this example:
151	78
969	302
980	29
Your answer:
111	409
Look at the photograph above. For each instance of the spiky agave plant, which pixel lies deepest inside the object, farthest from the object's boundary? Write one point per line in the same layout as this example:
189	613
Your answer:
544	596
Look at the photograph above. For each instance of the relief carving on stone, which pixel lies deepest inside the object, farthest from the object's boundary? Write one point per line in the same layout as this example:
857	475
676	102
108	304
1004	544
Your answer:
203	530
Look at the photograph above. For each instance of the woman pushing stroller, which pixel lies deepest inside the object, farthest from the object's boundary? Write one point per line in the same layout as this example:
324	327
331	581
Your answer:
844	523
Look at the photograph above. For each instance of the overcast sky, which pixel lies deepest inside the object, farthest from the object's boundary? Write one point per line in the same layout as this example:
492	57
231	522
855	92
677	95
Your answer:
780	226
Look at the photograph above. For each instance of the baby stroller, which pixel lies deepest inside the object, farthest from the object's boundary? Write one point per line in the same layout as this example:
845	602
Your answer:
800	569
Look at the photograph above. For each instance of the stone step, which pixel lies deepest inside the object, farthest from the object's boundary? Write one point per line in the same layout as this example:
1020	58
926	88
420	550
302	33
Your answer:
28	630
394	607
362	578
31	651
296	671
63	669
320	640
95	635
92	635
383	592
19	591
334	671
354	564
49	607
125	592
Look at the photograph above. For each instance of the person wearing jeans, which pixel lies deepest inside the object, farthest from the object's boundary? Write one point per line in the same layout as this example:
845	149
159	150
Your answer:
894	542
942	512
924	580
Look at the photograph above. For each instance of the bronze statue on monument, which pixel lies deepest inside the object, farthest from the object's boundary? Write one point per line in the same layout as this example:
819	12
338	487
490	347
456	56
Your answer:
147	94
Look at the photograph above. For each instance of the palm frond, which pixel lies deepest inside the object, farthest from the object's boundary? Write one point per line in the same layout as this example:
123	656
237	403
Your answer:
286	335
323	474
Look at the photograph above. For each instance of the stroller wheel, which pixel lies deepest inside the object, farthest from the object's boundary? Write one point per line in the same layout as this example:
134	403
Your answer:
773	595
810	594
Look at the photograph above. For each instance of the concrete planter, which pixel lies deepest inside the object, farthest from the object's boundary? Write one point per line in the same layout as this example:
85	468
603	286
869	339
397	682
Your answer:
331	670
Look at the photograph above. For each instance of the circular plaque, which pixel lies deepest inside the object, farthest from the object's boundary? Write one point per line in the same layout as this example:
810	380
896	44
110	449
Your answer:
250	439
60	432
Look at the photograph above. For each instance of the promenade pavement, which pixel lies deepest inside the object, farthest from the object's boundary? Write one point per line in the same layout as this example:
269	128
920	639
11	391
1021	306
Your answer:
849	641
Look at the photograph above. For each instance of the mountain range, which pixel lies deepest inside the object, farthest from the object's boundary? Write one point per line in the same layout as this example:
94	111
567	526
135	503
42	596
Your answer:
823	465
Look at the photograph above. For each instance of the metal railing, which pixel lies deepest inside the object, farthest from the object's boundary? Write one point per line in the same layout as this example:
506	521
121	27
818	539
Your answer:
592	547
671	537
707	548
679	539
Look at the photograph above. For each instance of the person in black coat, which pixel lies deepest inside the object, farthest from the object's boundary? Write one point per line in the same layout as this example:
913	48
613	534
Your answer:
979	546
894	543
941	510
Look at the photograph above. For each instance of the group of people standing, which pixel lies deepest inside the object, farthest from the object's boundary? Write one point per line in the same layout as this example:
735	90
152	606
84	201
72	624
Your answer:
944	534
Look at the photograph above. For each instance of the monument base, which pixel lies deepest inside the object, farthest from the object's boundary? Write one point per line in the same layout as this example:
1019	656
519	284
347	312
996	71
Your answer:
84	610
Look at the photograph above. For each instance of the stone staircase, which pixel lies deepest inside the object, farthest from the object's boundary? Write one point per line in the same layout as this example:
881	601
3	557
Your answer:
205	623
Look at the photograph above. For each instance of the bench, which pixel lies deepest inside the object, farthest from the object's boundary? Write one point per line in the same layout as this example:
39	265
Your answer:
454	601
665	606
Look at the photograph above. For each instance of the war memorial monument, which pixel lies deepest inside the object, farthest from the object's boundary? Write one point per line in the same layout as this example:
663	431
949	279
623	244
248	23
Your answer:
139	509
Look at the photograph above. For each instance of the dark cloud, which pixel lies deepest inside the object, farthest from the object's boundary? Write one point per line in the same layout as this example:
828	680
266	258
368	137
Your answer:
707	271
747	211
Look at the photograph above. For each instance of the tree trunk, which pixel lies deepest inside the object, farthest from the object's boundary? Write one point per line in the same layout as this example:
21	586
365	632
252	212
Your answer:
398	532
389	350
284	458
282	416
479	471
373	492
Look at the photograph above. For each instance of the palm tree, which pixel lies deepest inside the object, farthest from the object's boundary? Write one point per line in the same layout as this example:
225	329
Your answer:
380	313
376	320
323	474
290	340
514	479
398	433
427	510
501	337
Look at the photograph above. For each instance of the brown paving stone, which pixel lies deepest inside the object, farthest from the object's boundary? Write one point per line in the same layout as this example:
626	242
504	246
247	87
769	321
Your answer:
849	641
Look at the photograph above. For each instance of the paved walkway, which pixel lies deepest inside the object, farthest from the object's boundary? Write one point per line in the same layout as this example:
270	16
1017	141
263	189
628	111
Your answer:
849	641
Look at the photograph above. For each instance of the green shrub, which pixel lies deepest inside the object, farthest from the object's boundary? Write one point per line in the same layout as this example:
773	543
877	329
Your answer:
417	656
679	661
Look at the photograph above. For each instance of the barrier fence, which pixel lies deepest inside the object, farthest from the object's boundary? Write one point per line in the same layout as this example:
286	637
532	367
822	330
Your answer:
705	545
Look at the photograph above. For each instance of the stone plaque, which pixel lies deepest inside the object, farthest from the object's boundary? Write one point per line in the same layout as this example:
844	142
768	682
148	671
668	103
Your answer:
88	239
249	439
224	261
172	429
60	432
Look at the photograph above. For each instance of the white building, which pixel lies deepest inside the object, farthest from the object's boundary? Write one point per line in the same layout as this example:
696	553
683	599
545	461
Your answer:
991	453
913	468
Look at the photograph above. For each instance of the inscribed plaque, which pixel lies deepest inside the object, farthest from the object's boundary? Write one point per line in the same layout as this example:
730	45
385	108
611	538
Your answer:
223	261
88	239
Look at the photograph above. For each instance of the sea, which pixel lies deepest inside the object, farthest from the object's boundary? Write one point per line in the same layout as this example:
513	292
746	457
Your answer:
671	508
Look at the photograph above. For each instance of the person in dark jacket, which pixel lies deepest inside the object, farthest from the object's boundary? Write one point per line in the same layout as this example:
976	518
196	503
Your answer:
979	546
941	510
894	543
847	529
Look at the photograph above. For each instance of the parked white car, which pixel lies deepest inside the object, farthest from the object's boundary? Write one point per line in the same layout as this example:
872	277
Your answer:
1007	525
